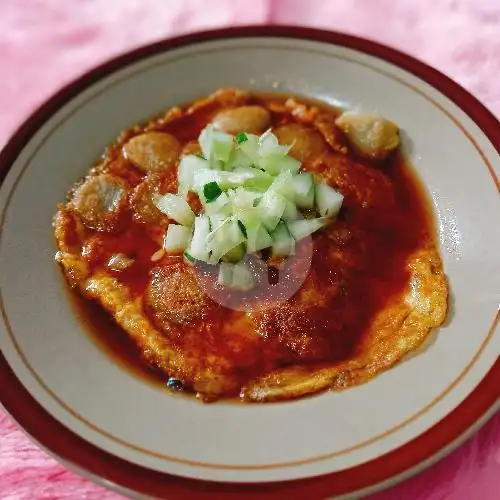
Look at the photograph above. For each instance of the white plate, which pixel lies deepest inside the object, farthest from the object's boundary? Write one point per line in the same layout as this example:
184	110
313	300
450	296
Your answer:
83	389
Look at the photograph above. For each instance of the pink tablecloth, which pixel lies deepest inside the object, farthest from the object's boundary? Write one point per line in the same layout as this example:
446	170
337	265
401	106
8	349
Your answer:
44	43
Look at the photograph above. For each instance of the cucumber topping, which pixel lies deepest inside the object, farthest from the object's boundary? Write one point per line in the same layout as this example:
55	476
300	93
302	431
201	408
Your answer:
328	200
283	242
177	238
176	208
252	194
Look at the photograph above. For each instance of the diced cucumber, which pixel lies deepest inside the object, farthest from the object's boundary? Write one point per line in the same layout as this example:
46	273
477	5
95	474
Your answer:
219	224
176	238
304	227
258	238
227	180
303	187
198	247
243	279
248	216
235	179
270	146
283	243
205	141
176	208
259	183
243	169
238	159
222	146
255	178
282	185
223	239
218	205
291	212
188	165
274	164
328	201
225	277
271	209
216	146
243	198
216	220
235	254
251	148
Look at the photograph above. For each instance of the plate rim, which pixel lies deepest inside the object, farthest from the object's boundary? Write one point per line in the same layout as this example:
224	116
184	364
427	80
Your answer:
61	442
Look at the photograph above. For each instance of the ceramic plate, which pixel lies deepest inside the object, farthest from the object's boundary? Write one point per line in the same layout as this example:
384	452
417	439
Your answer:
82	406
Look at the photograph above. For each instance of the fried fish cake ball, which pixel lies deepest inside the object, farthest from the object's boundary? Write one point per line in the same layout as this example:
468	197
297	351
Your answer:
307	144
251	119
142	202
191	148
228	96
152	151
360	184
101	203
371	136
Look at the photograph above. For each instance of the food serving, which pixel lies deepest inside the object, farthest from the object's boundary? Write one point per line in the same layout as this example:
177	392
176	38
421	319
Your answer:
257	245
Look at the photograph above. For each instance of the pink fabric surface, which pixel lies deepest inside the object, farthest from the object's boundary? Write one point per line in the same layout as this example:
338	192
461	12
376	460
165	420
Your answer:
45	43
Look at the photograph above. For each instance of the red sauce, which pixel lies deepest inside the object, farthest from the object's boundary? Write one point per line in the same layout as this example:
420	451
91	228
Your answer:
372	244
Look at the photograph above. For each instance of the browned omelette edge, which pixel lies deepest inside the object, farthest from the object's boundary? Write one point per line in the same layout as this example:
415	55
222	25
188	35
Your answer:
422	307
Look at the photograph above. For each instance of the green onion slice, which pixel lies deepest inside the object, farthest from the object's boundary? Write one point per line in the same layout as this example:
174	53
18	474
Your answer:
211	191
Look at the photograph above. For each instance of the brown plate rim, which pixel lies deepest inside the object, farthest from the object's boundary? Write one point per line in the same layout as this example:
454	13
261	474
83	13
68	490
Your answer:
56	438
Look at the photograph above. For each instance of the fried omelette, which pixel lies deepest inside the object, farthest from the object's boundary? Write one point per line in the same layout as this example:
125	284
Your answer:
374	291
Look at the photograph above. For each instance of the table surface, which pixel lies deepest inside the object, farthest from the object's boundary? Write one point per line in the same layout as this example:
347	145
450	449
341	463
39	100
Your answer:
44	44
